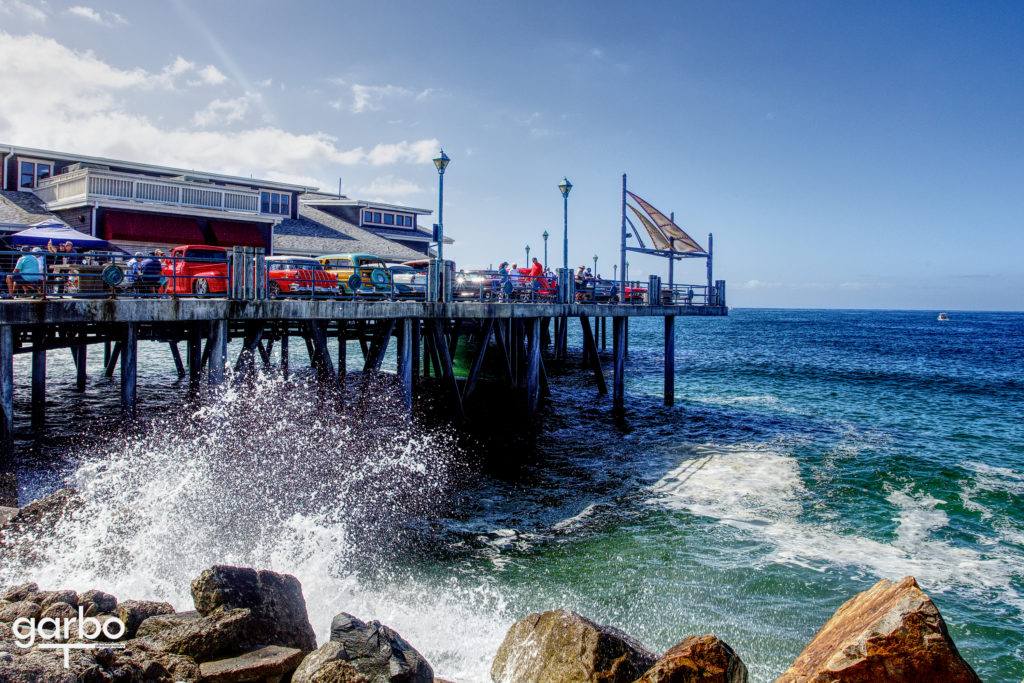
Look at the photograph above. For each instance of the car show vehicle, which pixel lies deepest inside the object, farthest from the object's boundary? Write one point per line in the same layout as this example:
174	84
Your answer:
409	282
299	275
359	274
198	269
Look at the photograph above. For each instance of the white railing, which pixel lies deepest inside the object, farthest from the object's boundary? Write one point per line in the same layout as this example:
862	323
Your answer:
90	183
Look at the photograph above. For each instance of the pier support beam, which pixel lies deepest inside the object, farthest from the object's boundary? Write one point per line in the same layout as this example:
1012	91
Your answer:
6	387
80	355
111	360
405	363
670	360
619	350
590	353
284	354
194	351
217	345
483	340
38	379
176	355
129	370
532	366
441	346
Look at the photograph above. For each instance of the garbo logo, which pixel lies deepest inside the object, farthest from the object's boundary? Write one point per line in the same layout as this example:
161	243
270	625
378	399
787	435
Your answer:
50	629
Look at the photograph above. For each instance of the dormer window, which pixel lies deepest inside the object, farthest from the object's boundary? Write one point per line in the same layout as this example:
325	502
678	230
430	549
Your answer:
275	202
388	219
32	172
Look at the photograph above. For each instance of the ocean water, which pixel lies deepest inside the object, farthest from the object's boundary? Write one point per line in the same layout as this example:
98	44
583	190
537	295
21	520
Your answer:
809	454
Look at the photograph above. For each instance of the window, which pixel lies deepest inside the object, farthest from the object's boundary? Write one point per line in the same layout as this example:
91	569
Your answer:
380	218
389	219
32	172
275	202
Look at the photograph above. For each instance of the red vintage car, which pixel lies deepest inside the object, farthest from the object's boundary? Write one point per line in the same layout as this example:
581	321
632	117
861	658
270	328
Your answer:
196	269
299	275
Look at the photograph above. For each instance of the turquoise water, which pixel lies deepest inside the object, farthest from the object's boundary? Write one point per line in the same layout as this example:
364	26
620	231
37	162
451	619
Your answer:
809	454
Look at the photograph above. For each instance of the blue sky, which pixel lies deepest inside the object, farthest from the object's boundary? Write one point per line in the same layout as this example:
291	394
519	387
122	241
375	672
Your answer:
865	154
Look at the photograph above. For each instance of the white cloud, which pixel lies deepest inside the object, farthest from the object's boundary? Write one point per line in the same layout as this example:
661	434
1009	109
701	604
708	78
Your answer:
375	97
108	18
209	75
389	187
87	107
34	11
224	111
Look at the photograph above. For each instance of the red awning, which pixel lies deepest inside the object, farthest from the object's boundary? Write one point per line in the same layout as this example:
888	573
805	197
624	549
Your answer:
151	227
238	234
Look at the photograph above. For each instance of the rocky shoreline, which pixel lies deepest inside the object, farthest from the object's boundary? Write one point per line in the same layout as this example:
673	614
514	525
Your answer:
252	626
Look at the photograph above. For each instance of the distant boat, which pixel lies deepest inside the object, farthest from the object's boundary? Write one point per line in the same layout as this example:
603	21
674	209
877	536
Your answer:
943	316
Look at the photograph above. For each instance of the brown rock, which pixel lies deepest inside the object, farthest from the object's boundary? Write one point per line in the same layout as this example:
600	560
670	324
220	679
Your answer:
34	521
225	634
162	622
47	598
35	667
275	600
135	663
97	602
269	663
58	610
562	646
11	611
706	659
340	671
19	593
891	632
134	612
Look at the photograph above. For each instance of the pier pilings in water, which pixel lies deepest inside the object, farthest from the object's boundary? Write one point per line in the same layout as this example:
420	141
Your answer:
460	344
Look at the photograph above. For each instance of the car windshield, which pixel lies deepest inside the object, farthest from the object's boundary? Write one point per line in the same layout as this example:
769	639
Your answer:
371	263
338	263
294	265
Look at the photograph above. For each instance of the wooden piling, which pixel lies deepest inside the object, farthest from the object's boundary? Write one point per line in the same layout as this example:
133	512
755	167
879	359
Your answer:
284	354
670	360
405	363
80	355
111	362
483	340
532	366
6	387
590	353
194	351
416	346
619	350
38	379
179	366
106	354
129	370
219	350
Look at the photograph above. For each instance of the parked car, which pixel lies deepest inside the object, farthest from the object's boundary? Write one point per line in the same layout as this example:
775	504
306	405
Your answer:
299	275
409	282
477	284
197	269
596	290
362	274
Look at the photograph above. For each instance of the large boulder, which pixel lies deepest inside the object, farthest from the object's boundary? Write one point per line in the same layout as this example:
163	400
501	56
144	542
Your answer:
891	632
97	602
19	592
35	667
47	598
35	521
374	651
220	635
12	611
706	659
271	663
278	610
163	622
134	612
560	646
135	663
328	664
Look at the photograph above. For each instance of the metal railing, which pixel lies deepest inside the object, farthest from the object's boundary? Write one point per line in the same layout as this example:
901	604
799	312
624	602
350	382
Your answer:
245	273
89	183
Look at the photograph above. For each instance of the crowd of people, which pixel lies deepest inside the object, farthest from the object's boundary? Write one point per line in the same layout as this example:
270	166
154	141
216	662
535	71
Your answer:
56	269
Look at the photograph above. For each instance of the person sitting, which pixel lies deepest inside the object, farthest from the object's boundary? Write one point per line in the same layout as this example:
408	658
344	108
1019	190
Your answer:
68	258
150	276
27	276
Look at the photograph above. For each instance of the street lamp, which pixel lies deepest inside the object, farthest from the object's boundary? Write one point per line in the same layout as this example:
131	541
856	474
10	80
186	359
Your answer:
625	273
615	271
545	236
564	187
527	255
595	265
442	163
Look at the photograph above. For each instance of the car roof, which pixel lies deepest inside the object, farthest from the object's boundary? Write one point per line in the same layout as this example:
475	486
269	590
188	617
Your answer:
200	246
291	258
350	256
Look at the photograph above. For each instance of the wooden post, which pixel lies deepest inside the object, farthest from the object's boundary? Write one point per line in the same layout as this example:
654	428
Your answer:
342	352
670	360
6	387
108	371
129	370
177	359
416	345
499	331
106	354
532	366
483	340
38	379
284	354
219	350
604	333
590	353
375	358
320	356
441	344
194	351
625	337
619	345
405	362
80	366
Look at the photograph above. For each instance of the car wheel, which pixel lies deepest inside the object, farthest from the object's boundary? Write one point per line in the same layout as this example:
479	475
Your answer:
274	290
201	286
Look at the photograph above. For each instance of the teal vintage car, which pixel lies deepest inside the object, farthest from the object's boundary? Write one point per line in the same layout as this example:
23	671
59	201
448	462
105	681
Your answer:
359	274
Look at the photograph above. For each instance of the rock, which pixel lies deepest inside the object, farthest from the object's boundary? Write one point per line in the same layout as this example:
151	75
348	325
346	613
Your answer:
560	645
35	667
162	622
58	610
217	636
19	593
90	628
705	659
35	521
278	608
378	652
134	612
269	663
136	663
890	632
8	490
327	653
6	513
104	603
338	671
47	598
16	610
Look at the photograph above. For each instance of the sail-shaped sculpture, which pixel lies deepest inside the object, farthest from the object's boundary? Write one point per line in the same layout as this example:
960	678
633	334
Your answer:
679	240
657	236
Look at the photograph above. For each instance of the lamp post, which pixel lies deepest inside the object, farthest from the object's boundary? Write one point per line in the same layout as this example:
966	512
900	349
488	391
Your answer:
564	187
615	271
595	265
625	273
442	163
545	236
527	255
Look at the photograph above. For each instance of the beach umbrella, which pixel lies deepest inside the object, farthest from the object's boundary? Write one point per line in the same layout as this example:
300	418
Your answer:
40	235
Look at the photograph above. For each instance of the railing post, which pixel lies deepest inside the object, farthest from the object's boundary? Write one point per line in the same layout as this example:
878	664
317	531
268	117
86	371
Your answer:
260	268
720	293
654	290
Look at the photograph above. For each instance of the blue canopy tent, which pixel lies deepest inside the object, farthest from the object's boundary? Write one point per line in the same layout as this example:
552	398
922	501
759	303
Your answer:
59	233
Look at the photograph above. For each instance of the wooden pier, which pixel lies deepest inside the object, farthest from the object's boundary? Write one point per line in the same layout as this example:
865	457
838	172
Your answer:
426	336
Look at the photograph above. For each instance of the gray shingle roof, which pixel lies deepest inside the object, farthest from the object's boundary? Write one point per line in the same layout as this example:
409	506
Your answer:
23	208
317	232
